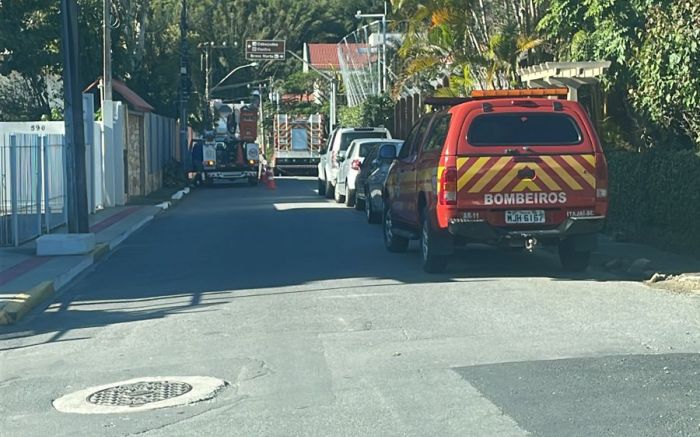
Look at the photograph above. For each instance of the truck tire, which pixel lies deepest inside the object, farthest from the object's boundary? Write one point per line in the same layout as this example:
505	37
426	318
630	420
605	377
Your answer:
349	197
571	259
329	192
392	242
339	198
359	203
321	187
431	262
373	217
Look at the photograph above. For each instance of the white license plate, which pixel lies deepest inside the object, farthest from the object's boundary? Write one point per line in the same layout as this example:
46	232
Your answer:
525	217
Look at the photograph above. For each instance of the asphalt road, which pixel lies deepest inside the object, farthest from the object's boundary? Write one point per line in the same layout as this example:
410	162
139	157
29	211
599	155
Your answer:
321	332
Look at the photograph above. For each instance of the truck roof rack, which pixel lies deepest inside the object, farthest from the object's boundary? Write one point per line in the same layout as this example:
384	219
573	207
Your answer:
446	101
559	93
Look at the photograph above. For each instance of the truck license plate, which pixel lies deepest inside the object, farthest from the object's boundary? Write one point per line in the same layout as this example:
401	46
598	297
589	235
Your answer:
525	217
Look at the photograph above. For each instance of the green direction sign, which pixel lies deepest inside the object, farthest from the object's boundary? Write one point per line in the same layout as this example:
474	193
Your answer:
265	50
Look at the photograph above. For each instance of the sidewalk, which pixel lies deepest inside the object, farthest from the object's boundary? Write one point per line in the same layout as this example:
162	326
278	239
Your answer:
26	279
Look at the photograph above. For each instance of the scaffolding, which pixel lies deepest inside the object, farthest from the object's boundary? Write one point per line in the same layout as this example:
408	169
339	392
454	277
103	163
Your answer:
361	54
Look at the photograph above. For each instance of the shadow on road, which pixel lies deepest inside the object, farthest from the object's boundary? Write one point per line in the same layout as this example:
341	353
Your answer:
234	241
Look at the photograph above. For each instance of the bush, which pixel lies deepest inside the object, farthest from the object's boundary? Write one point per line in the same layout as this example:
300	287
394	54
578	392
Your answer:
655	198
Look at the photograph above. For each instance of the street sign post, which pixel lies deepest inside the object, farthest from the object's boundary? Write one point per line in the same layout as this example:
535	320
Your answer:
266	50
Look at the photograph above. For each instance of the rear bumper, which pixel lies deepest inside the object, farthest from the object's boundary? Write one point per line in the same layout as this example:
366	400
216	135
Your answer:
297	163
230	174
483	232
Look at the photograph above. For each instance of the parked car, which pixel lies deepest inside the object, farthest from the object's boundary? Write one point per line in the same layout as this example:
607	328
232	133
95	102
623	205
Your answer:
371	178
337	145
506	170
350	165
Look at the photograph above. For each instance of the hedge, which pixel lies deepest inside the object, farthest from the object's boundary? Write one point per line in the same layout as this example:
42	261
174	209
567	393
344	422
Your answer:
655	198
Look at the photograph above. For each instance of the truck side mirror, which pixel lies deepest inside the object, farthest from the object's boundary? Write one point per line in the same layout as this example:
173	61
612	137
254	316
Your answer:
387	152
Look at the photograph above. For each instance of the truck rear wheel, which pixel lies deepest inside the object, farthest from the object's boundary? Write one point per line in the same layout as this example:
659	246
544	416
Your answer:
432	263
571	259
392	242
339	198
329	191
349	197
321	187
373	217
359	203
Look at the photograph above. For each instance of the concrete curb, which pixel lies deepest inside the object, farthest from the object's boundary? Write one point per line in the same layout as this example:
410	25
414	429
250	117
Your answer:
21	303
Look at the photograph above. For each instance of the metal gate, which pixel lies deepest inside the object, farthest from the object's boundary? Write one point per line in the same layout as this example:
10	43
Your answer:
32	186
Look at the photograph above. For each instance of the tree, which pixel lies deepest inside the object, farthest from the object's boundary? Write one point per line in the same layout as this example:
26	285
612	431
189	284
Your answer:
666	69
472	42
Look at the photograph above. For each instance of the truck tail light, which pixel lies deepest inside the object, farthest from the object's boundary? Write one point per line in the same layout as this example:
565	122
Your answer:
355	164
447	189
334	159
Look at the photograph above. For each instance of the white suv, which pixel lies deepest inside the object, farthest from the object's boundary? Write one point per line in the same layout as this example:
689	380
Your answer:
337	145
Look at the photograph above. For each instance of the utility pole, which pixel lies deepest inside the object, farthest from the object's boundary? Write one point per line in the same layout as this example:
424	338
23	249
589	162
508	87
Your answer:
262	119
384	69
107	107
184	83
76	190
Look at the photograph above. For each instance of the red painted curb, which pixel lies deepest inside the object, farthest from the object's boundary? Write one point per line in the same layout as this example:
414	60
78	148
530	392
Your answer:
109	221
22	268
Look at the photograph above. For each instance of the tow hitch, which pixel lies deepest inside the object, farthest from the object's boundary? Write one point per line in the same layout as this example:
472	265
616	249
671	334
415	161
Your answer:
530	244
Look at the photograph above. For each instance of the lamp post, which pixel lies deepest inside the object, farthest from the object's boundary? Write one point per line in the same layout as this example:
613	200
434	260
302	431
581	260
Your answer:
358	15
184	84
230	73
207	46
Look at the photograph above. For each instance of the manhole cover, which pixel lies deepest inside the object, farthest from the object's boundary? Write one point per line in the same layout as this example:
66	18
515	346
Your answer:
140	394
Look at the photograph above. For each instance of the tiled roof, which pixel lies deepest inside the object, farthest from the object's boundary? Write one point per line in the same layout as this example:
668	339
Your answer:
324	56
133	99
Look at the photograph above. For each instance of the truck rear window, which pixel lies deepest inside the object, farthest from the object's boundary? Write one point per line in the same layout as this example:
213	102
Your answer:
349	137
524	129
366	148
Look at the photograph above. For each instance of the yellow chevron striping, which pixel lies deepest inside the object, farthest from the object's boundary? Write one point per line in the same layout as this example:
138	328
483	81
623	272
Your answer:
562	173
546	178
490	174
507	179
526	184
461	162
472	170
589	178
590	159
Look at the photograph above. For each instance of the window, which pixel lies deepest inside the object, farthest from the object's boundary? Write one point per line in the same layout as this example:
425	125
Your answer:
524	129
366	148
407	144
438	134
414	138
348	137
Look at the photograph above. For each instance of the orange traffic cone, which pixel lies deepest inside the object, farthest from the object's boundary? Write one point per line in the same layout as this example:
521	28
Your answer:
270	179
